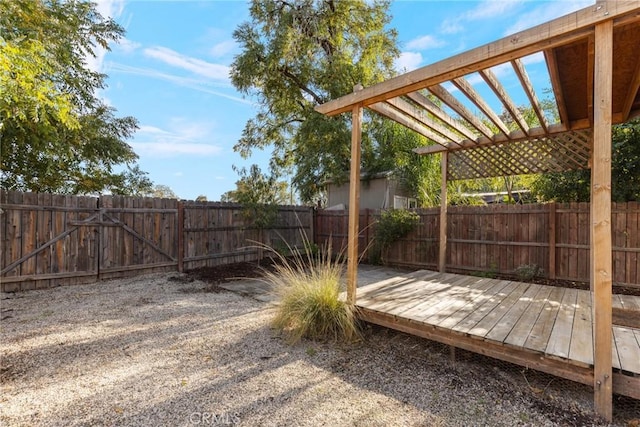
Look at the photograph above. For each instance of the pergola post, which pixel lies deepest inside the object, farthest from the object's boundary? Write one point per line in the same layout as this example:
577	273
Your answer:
354	202
442	258
601	256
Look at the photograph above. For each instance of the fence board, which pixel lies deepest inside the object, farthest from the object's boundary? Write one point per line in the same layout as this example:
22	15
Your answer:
500	238
127	236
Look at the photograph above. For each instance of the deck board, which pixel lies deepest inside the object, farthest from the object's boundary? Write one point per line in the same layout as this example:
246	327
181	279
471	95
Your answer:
501	330
560	339
581	348
549	328
487	323
554	322
541	330
521	330
628	349
457	292
462	307
391	295
425	302
492	298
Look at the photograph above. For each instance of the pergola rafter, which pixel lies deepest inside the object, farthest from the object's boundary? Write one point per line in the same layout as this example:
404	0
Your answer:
593	63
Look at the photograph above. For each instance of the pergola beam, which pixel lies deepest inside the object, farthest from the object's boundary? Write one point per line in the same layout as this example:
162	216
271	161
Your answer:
544	36
590	79
412	123
521	72
631	95
515	137
556	85
420	115
493	82
438	112
466	88
459	108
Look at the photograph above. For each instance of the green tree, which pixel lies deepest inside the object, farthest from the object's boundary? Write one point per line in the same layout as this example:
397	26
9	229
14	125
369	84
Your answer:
55	133
162	191
575	186
257	189
300	54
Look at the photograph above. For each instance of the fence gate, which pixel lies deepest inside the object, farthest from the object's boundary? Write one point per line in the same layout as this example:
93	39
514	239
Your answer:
51	240
137	234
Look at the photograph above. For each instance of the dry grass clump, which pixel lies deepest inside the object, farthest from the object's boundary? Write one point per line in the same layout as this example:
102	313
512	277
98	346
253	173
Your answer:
308	286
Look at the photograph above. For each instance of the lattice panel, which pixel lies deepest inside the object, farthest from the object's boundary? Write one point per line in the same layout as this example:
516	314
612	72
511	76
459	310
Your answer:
558	153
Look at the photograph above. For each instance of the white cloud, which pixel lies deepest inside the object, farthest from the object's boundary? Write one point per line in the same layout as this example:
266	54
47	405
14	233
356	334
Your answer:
198	84
195	65
223	48
546	12
152	130
451	26
178	174
182	137
408	61
424	43
127	46
486	9
491	9
166	149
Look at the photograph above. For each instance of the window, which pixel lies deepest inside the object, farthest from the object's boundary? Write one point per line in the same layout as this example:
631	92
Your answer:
400	202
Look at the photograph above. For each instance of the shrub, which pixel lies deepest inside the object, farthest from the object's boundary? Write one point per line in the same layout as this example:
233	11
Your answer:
393	225
526	272
308	287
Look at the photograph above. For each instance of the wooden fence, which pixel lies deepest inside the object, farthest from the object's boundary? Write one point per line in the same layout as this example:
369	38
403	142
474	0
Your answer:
50	240
501	238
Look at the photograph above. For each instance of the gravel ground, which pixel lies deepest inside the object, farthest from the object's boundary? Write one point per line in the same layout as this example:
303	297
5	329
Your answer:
165	350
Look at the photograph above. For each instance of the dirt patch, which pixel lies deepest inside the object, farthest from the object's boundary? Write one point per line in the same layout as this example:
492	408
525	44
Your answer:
226	273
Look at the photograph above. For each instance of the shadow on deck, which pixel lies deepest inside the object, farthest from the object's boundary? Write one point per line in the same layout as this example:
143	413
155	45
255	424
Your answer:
540	327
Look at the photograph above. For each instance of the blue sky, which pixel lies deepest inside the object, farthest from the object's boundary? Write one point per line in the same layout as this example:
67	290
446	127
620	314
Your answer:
171	73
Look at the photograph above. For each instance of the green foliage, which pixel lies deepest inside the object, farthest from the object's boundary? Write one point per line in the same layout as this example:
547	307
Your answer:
308	288
296	55
393	225
574	186
388	146
491	273
163	191
55	134
527	272
259	194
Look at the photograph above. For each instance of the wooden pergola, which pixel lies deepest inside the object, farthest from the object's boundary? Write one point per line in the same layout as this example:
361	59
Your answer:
593	60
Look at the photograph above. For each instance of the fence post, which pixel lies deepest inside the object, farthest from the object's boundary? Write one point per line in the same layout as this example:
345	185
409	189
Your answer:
552	240
313	225
366	232
180	227
98	231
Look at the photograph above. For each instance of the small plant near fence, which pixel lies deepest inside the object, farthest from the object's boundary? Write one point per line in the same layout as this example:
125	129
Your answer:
392	226
308	285
527	272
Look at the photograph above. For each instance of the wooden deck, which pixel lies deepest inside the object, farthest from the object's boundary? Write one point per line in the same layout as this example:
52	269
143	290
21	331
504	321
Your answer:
542	327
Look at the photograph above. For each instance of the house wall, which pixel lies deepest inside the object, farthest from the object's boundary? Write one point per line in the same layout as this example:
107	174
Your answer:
375	193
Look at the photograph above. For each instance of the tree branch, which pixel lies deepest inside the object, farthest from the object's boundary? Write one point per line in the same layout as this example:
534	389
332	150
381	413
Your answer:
285	71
